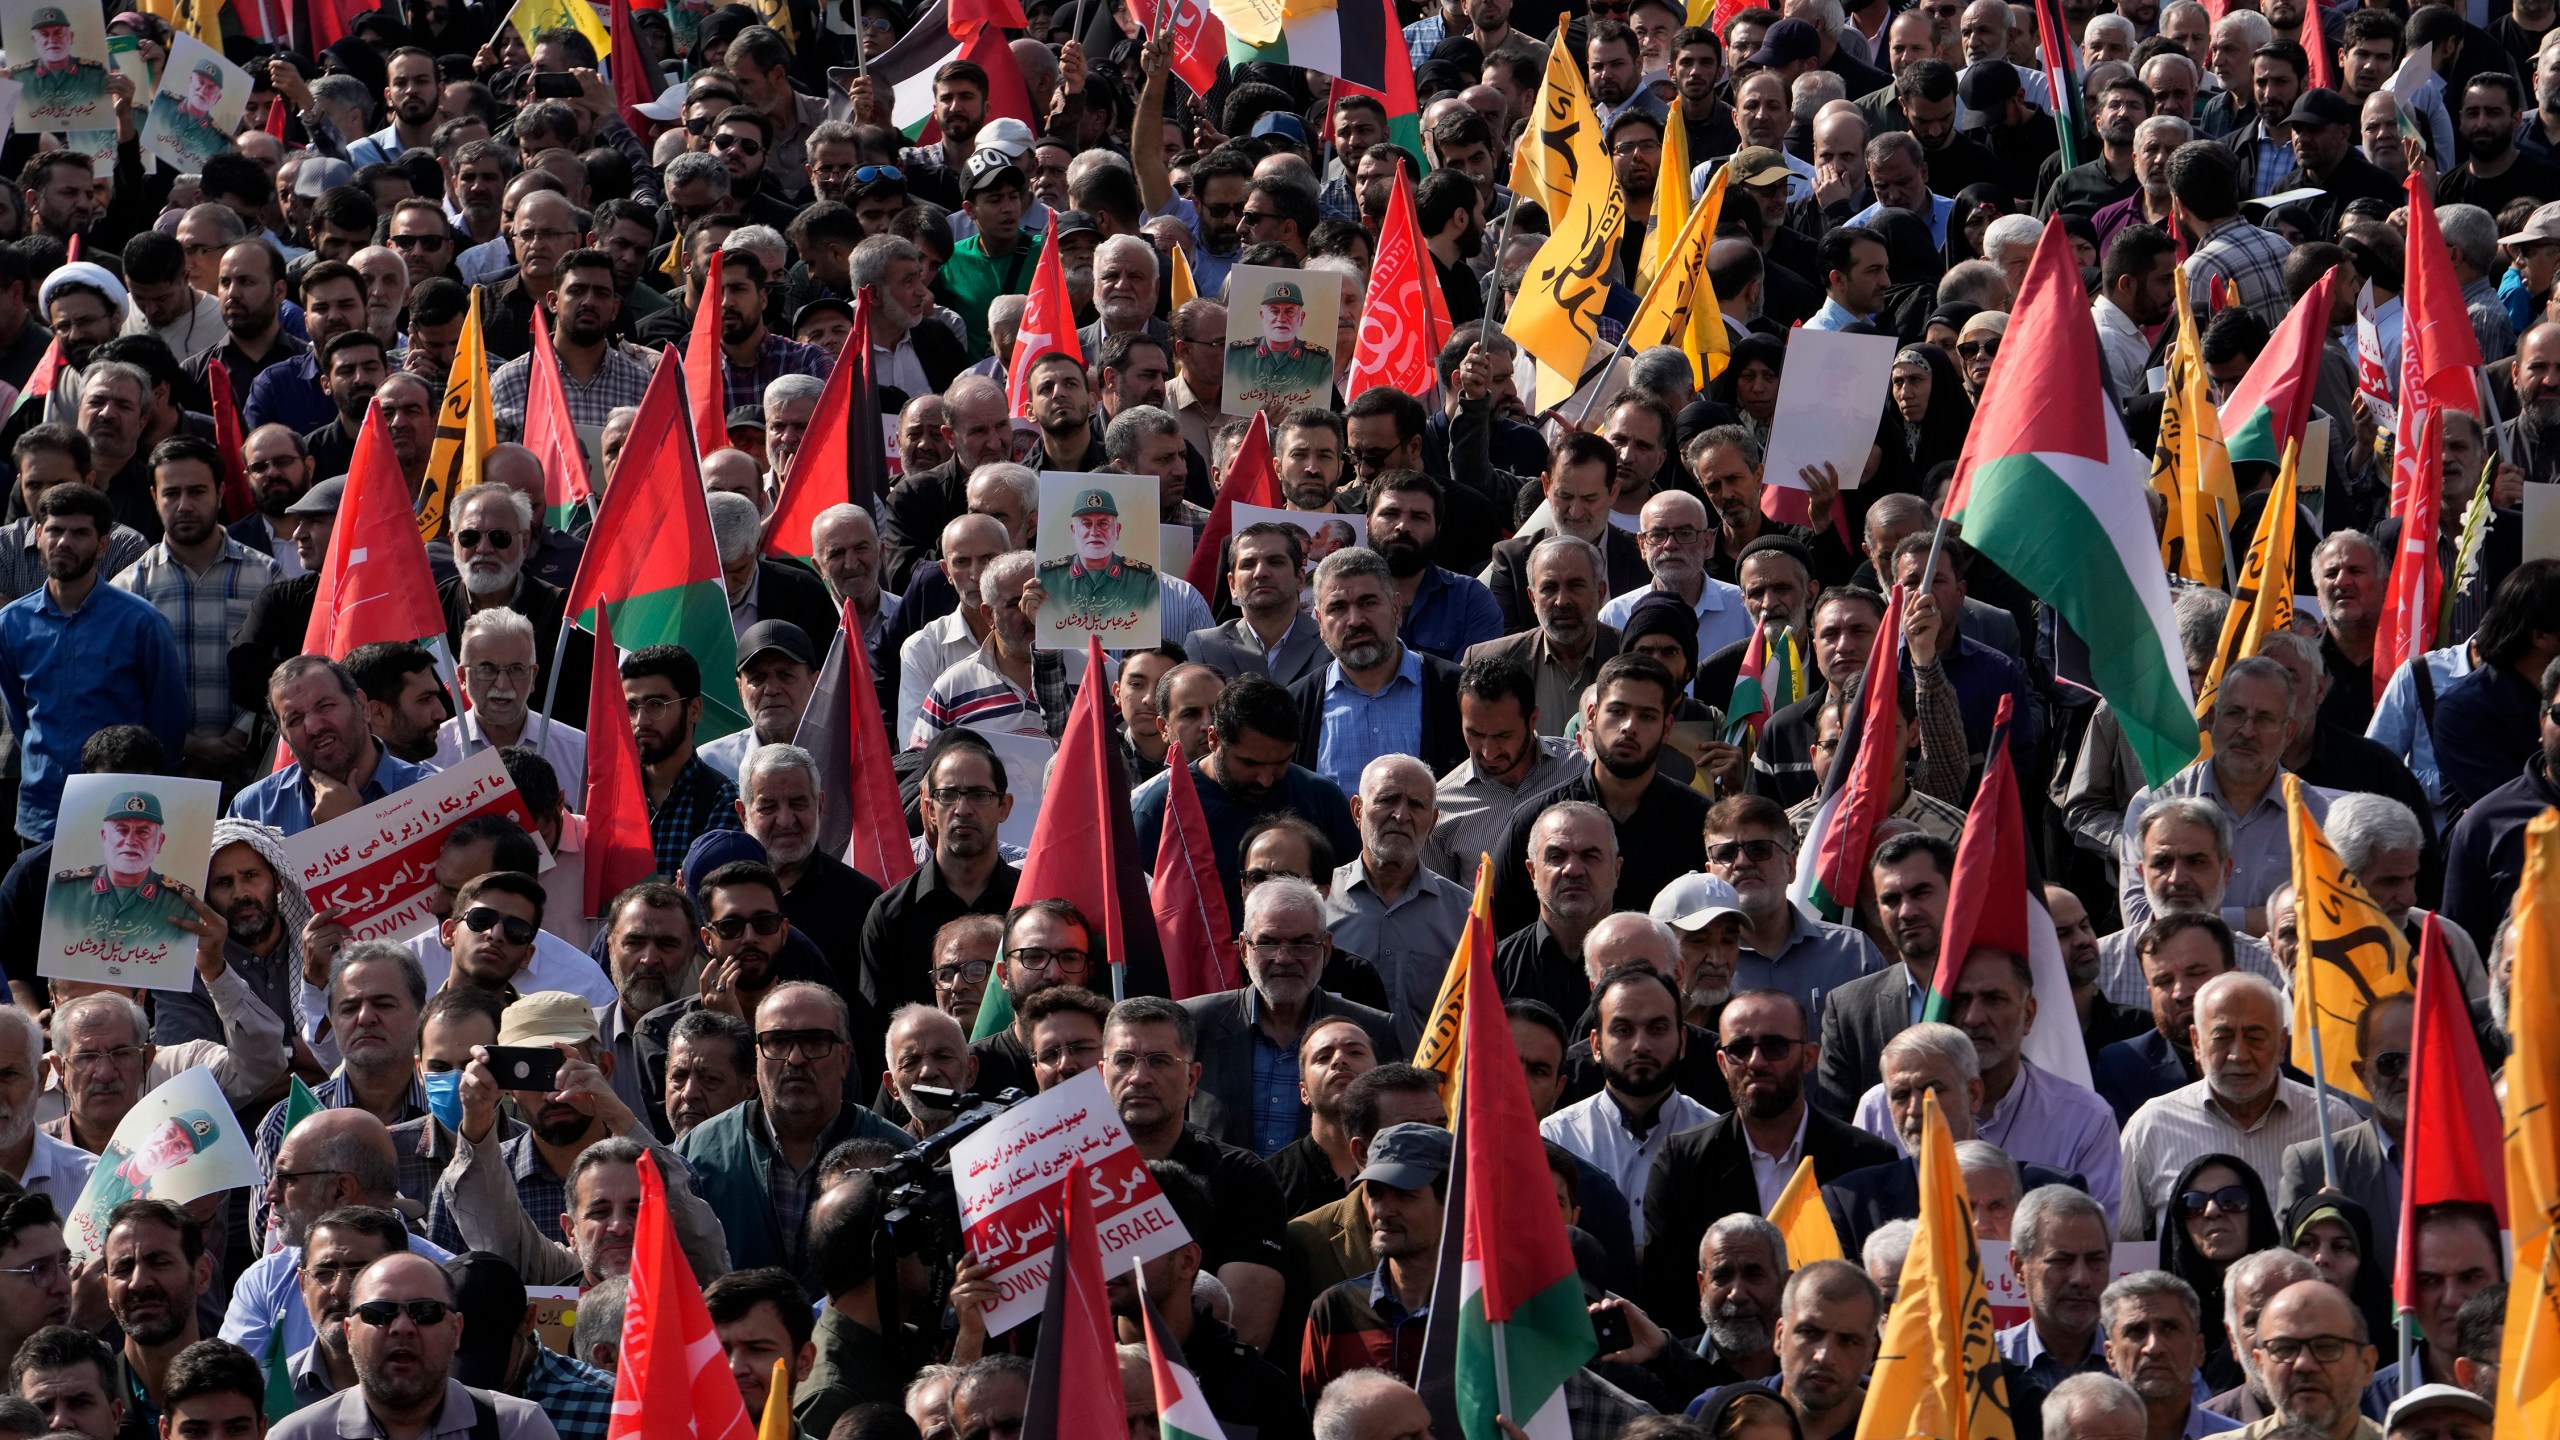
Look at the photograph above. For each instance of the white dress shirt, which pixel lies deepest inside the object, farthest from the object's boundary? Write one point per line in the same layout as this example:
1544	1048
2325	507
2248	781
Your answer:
1770	1173
1596	1130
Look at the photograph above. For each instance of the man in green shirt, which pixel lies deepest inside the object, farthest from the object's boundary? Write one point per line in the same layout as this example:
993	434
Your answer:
1001	257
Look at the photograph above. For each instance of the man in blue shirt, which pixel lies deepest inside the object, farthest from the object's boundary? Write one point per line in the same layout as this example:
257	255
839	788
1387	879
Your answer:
77	656
1372	698
337	764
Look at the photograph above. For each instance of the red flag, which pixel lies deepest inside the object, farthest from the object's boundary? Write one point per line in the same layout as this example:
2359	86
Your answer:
1006	94
71	252
872	837
815	478
634	84
317	24
619	850
2315	40
1199	40
374	584
238	498
703	385
965	17
673	1383
1987	896
1084	845
1076	1370
1190	901
1399	325
1251	479
550	432
276	119
1048	323
2438	348
2456	1137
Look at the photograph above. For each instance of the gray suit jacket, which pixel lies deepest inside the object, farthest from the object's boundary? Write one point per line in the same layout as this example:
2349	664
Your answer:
1232	650
2366	1173
1857	1020
1222	1103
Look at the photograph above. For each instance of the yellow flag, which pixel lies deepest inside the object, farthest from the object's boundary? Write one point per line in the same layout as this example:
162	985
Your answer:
1937	1373
1563	140
2189	466
532	17
2349	954
466	428
200	18
1670	200
2265	603
1255	22
2528	1398
1801	1216
1680	306
775	1424
1185	289
1443	1046
1557	318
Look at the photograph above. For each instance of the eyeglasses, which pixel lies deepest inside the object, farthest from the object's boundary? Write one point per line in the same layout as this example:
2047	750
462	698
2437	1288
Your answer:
967	972
488	674
380	1313
1725	852
1065	962
1978	349
739	143
1630	149
1066	1050
814	1044
1774	1048
650	705
1256	217
528	237
966	795
1284	949
118	1058
496	539
1220	212
280	462
287	1177
868	173
46	1267
417	242
2233	1200
766	924
1673	535
2285	1349
2391	1064
515	930
1121	1062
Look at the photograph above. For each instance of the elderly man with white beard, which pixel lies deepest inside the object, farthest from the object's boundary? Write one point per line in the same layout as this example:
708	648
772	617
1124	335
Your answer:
847	544
1242	1097
1675	534
493	536
501	675
927	1048
104	1058
39	1163
779	804
1742	1270
1385	904
1124	292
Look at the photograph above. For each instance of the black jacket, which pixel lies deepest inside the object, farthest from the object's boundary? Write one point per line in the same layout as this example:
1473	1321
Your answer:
1444	746
541	604
786	591
1865	1201
1703	1175
919	505
1509	572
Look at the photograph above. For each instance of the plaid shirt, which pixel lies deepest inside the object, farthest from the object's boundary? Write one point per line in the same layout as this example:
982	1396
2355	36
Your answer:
22	564
1424	36
701	799
778	356
205	610
1278	1116
333	1093
794	1191
425	1146
576	1395
2249	260
619	381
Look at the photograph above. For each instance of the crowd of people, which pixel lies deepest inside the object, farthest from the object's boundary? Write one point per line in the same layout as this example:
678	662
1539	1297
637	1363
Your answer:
1546	650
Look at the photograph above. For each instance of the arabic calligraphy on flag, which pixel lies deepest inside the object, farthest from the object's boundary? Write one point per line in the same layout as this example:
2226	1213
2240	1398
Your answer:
1011	1175
376	865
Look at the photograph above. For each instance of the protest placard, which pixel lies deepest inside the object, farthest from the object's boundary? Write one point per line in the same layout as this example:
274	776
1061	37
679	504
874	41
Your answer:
1097	547
198	105
1830	373
129	857
58	56
178	1143
1010	1178
1280	337
377	866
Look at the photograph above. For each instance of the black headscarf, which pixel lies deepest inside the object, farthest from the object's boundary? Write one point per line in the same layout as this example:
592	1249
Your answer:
2179	1256
1913	267
2372	1290
1769	350
1942	427
1968	200
719	28
1712	1419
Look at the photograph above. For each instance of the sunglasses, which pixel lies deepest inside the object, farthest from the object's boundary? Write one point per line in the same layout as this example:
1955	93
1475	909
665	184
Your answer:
417	242
380	1313
1725	852
498	539
869	173
2233	1199
514	930
1776	1048
2391	1064
766	924
739	143
1978	349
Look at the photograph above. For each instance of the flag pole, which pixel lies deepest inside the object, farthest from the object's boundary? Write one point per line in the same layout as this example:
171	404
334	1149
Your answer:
551	688
2497	425
2328	1141
1493	271
1929	572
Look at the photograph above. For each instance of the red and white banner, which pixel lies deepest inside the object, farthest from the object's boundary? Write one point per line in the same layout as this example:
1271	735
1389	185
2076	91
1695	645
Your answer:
376	865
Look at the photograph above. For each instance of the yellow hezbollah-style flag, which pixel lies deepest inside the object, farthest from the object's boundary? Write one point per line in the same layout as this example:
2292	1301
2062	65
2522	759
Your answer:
1804	1220
532	17
1185	289
1938	1372
466	428
2349	954
200	18
1564	138
1443	1046
1680	306
1557	318
1670	199
2265	603
775	1423
2189	466
2528	1399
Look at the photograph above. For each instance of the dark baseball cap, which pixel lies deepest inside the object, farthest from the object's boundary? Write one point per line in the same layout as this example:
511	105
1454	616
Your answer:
490	1295
2323	107
776	635
1787	42
1074	222
1986	86
1411	1156
320	499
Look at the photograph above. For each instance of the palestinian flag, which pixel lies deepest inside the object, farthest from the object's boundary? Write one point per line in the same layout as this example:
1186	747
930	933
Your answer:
2272	403
1854	791
651	558
1404	110
1771	679
42	380
2053	38
903	73
1182	1409
2048	490
1350	42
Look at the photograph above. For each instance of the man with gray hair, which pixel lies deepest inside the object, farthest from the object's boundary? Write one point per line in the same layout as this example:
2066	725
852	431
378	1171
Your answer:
1567	582
2153	1327
1009	494
912	355
1385	904
790	402
1007	685
1248	1092
1147	440
761	589
1379	696
2339	760
2381	842
1884	1253
2183	845
2252	1281
1370	1405
1124	291
2097	1407
2062	1250
106	1061
1929	1059
1993	1184
781	805
846	542
2253	726
1831	1318
501	673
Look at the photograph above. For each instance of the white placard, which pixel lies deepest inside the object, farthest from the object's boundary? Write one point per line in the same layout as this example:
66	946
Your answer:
2542	522
1010	1178
1833	389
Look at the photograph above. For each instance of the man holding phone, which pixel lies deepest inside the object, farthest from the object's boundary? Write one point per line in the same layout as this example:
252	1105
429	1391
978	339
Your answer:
547	1053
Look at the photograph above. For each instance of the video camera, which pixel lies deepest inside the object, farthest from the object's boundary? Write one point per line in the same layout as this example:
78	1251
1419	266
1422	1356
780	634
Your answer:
924	1209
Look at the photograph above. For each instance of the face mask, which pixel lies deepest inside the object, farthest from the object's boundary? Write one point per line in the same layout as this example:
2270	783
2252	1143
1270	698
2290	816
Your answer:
444	1096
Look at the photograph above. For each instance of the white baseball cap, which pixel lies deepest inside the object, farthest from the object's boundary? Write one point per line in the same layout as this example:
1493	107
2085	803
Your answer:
1694	900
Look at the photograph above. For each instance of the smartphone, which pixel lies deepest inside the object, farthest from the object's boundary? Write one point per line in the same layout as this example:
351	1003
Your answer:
1609	1323
525	1067
555	85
